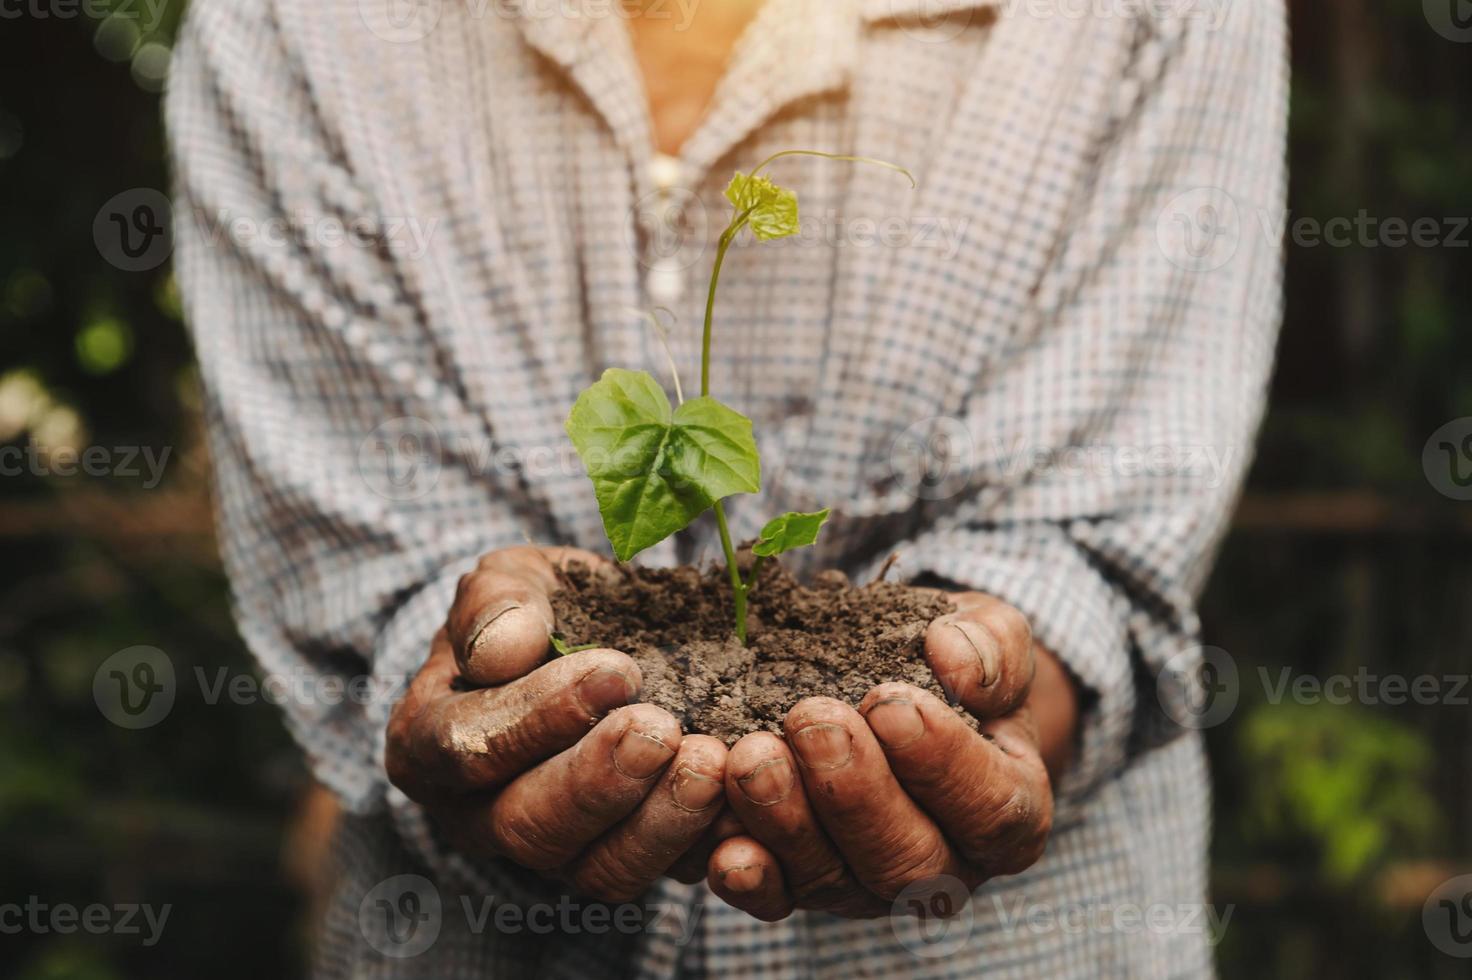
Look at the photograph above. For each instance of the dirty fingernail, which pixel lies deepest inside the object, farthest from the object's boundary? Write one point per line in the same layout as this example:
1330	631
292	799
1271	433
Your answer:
988	652
692	790
824	746
769	783
896	722
639	756
746	878
494	624
604	689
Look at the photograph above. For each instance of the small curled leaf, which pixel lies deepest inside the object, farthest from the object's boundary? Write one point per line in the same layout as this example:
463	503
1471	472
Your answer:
790	530
770	210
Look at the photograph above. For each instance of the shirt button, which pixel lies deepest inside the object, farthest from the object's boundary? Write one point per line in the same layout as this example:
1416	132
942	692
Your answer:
666	281
665	171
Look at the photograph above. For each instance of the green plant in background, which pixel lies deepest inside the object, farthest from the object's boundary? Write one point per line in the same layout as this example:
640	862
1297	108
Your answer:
656	469
1353	781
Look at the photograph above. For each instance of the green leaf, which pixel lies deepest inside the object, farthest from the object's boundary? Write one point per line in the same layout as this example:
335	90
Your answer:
560	644
771	210
789	531
654	471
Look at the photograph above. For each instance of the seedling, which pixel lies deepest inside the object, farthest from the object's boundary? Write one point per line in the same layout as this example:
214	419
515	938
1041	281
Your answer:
656	469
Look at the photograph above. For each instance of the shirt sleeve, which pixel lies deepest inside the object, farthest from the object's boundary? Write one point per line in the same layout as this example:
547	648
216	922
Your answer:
1148	349
345	513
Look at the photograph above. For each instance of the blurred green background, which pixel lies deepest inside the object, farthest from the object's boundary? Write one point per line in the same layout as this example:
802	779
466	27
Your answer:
1333	822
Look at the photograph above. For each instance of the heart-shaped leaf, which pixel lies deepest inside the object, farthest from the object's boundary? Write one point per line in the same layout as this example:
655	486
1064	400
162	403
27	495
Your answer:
653	470
790	530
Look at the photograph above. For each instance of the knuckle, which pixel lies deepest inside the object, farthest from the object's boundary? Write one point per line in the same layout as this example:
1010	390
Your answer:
824	887
590	798
462	585
516	836
1009	626
605	876
919	862
400	771
1012	837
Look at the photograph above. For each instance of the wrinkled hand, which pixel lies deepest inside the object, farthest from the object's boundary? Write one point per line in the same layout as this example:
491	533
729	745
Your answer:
549	766
856	805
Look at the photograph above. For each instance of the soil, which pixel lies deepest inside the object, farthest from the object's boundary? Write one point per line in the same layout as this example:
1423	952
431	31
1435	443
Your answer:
831	638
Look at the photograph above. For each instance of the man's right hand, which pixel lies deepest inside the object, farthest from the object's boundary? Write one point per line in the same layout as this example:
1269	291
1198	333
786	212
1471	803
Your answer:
550	766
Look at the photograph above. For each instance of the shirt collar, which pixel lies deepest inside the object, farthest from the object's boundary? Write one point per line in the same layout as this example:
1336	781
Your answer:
923	10
795	49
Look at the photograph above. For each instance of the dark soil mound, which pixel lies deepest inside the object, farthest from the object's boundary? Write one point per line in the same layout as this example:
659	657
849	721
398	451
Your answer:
828	639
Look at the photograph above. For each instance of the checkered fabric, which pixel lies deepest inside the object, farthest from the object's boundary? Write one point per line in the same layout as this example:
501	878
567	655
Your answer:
409	234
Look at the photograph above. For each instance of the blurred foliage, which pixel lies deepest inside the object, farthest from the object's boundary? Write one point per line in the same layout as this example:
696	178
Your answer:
1353	784
1330	820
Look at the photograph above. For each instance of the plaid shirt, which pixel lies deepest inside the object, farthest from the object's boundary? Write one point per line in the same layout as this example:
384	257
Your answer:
407	243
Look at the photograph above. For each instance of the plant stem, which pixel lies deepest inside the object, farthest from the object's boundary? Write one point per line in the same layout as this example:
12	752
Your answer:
727	237
756	569
738	589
